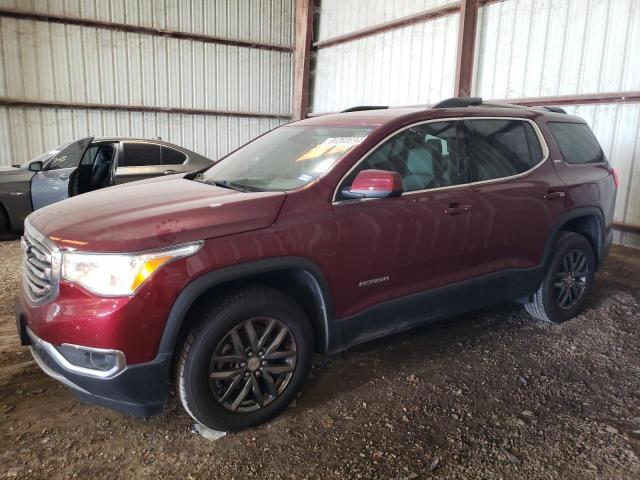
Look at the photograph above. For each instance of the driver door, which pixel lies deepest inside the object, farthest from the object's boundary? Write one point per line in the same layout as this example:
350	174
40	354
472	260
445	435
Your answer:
51	184
391	248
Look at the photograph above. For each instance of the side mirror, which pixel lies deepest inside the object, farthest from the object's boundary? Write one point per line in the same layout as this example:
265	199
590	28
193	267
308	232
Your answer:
36	166
375	184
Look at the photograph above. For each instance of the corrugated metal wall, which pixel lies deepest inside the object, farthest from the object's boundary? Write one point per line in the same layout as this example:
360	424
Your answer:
414	64
338	17
45	61
555	47
410	65
267	21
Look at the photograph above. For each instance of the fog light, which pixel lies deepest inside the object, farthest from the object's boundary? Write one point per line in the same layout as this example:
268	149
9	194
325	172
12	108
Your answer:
92	358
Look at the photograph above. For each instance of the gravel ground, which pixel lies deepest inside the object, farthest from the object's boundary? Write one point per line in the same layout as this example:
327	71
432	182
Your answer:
485	395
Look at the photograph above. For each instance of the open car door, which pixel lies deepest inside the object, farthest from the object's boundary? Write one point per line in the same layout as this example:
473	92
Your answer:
51	184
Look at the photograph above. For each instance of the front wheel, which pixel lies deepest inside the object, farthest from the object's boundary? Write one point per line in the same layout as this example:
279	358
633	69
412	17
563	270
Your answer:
245	359
567	281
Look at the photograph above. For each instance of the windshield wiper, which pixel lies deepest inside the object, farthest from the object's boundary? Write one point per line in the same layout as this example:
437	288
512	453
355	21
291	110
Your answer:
227	184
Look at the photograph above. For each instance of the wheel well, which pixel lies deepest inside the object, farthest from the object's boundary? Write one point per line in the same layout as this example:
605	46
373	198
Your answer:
297	283
5	213
590	227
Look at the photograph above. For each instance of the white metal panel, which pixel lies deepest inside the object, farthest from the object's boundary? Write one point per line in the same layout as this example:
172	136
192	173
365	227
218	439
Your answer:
557	47
338	17
617	127
411	65
254	20
69	63
27	132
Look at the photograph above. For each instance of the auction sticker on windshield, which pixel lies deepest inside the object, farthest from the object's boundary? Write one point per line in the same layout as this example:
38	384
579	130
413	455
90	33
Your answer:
331	146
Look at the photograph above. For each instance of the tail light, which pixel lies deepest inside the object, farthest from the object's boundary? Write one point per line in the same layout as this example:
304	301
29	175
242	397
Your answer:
616	179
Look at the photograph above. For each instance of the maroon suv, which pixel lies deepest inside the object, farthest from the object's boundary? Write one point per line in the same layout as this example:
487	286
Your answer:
316	236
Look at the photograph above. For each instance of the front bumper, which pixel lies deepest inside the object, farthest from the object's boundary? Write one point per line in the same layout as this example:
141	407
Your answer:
139	390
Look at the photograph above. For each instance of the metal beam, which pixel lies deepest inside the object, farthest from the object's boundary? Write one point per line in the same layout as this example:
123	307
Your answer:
584	99
123	27
626	227
18	102
466	47
420	17
302	57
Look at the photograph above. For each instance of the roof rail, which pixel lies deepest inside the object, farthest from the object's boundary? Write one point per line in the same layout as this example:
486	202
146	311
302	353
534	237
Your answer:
361	108
459	102
555	109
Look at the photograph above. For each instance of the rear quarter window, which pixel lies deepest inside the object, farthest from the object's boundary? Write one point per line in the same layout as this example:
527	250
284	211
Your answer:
576	142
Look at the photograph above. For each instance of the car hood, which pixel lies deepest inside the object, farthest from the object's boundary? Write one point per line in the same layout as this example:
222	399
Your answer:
152	214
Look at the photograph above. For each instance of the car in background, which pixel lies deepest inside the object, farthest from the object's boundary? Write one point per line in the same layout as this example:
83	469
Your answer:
85	165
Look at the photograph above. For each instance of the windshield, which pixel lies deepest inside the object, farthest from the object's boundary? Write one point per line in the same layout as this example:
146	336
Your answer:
285	158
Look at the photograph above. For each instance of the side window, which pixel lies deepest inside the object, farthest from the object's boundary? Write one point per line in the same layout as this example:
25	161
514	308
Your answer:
172	157
576	142
425	156
140	155
501	148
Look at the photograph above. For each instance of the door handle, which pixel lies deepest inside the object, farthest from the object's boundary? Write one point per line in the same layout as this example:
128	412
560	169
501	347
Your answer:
64	176
554	195
169	172
456	209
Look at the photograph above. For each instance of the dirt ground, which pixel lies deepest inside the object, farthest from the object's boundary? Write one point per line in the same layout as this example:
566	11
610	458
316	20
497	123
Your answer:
485	395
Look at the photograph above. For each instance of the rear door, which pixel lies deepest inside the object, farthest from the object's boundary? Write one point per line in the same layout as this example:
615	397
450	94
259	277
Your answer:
52	184
517	194
137	161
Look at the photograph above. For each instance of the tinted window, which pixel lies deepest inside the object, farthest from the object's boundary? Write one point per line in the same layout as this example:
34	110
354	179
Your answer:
425	156
501	148
172	157
140	155
576	142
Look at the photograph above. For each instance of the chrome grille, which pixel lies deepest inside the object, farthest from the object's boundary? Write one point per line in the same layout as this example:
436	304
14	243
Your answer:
40	265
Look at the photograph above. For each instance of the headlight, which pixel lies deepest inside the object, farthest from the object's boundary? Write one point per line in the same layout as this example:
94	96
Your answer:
118	274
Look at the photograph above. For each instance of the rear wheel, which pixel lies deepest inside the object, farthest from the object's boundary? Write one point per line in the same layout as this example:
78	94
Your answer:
245	359
567	282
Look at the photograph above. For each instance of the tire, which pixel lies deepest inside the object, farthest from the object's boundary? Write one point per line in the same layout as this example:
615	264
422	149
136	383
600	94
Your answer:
205	399
561	294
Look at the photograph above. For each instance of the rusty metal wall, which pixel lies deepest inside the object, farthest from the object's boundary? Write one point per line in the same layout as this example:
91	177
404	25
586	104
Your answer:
42	61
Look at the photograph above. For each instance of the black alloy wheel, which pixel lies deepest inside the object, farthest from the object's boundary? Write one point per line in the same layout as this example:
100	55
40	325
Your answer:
253	364
571	279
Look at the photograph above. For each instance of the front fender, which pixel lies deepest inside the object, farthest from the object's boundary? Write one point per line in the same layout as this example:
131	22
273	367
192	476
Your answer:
330	331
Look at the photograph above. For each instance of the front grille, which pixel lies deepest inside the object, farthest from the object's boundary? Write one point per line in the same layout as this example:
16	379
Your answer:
39	267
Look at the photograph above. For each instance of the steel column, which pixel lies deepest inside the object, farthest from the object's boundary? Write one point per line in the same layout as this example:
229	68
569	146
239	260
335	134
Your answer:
466	47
